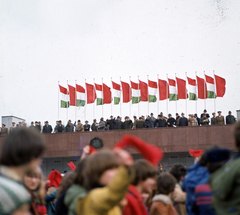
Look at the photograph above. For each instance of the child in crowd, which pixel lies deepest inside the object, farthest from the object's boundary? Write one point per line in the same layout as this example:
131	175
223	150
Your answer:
162	203
20	154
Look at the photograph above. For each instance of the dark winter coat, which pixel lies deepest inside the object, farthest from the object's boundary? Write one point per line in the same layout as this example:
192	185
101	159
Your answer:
86	127
118	124
140	124
183	121
127	124
47	129
230	119
69	128
171	121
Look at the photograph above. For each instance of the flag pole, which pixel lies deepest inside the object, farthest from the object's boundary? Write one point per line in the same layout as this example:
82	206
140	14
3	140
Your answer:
186	91
139	99
68	104
214	91
196	90
58	99
111	97
102	97
204	91
121	98
148	93
94	103
167	100
176	90
130	100
158	94
85	109
75	100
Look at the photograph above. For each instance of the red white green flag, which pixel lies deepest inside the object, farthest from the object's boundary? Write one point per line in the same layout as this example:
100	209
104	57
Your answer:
135	93
172	90
152	91
192	89
116	93
64	97
210	87
143	91
80	91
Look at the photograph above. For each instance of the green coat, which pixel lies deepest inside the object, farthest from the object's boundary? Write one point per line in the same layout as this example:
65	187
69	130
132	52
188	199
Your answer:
225	184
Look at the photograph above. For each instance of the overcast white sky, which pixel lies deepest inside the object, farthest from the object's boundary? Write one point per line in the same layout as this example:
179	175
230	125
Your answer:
43	42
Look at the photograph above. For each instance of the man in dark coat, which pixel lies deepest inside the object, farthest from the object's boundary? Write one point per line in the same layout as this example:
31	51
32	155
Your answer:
204	120
152	120
171	122
94	126
205	112
37	126
177	119
213	119
102	124
183	121
60	127
118	123
147	122
47	128
111	123
127	124
69	127
160	122
86	126
230	119
140	123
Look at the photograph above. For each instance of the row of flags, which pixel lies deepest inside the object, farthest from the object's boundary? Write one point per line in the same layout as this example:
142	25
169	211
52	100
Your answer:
199	88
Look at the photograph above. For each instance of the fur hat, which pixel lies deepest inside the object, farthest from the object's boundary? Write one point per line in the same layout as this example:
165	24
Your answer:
151	153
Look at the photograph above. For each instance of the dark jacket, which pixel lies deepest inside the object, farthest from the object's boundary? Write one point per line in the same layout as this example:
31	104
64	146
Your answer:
94	127
118	124
171	121
49	198
160	123
147	123
86	127
140	124
198	120
111	124
204	121
152	121
183	121
196	175
230	119
47	129
213	121
101	126
69	128
60	128
127	124
207	115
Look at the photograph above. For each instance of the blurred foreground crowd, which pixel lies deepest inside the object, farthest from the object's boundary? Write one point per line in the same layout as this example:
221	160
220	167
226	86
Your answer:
142	122
110	182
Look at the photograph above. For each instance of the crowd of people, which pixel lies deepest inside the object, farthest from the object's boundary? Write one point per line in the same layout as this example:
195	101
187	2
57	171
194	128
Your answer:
110	182
141	122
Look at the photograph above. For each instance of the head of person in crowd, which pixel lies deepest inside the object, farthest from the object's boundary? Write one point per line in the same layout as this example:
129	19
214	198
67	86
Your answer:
143	118
35	184
20	124
190	116
3	125
179	172
160	165
69	122
140	118
22	151
195	115
205	111
213	114
111	117
94	121
60	122
183	115
119	118
86	122
236	135
135	118
36	123
39	123
177	115
204	115
229	113
126	118
46	123
166	184
32	123
169	115
151	115
219	113
146	175
159	116
13	124
79	121
147	116
101	119
170	167
57	122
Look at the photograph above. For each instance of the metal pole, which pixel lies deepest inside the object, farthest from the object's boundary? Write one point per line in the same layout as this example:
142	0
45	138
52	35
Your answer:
85	108
130	100
157	93
148	93
75	100
111	96
214	91
196	90
102	97
58	100
167	100
204	90
139	95
176	91
68	104
186	92
121	98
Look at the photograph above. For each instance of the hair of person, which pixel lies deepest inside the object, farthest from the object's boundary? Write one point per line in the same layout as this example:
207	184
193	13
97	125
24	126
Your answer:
67	181
212	167
178	171
40	192
203	161
22	146
90	169
144	170
236	134
165	183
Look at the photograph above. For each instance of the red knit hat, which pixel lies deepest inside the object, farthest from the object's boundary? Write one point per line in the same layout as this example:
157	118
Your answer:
54	178
151	153
195	153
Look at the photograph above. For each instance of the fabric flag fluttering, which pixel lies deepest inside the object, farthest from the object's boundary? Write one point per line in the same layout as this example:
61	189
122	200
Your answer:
192	89
152	91
143	91
182	90
163	89
220	86
72	94
126	92
80	91
91	94
202	87
99	93
172	90
64	97
210	87
135	93
107	95
116	93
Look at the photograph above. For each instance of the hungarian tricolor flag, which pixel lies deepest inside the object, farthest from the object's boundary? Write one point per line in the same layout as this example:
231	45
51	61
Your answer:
192	89
152	91
99	93
143	91
126	92
220	86
163	89
72	94
210	87
107	95
80	91
135	93
64	97
202	87
116	93
172	90
181	89
91	94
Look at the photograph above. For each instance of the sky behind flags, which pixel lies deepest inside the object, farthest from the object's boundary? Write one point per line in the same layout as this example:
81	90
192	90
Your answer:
124	38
